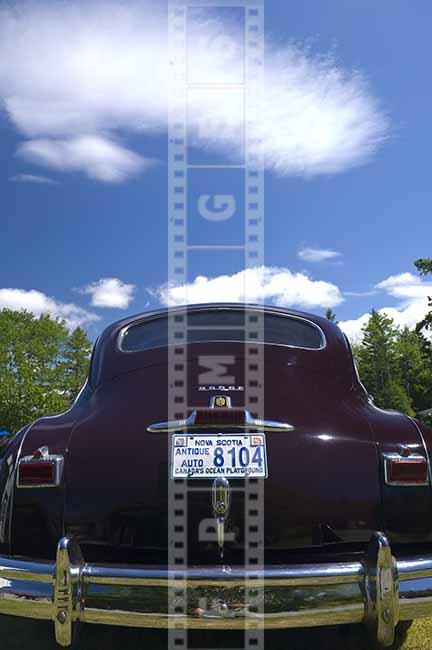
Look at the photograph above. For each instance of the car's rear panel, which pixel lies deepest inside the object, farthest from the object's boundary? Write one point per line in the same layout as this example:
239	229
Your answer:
324	490
323	484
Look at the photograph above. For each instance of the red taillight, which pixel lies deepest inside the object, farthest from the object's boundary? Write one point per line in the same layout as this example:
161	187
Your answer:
39	473
412	470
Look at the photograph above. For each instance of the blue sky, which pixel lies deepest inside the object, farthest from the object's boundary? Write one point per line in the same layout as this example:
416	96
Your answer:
83	160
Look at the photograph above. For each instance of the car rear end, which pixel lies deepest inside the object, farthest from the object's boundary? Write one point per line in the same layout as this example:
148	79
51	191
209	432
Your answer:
343	522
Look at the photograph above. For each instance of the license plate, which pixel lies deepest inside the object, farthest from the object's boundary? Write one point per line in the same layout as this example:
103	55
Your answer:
227	455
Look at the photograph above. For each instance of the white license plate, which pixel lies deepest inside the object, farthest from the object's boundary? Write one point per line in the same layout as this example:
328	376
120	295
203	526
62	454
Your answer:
210	456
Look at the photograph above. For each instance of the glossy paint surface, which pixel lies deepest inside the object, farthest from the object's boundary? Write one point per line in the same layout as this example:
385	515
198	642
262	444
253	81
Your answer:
325	487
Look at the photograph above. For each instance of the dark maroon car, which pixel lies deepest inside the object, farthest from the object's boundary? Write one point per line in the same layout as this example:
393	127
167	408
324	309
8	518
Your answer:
238	477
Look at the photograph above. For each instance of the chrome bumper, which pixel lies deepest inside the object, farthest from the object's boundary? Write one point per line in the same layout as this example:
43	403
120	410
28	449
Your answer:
379	591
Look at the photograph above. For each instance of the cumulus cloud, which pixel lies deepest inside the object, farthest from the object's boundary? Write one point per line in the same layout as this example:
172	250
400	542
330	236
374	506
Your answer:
31	178
95	156
110	292
406	285
76	70
270	284
39	303
310	254
412	292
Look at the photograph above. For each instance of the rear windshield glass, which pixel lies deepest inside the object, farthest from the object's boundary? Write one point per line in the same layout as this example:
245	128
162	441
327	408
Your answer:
226	326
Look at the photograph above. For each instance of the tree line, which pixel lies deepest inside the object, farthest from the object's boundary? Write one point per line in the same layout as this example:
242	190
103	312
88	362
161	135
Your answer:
42	366
395	364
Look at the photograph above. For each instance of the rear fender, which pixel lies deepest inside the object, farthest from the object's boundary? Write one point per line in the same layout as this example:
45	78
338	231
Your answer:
426	435
406	509
9	455
38	513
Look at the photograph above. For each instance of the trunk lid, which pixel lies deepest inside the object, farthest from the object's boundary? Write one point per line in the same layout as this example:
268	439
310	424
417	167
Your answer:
323	483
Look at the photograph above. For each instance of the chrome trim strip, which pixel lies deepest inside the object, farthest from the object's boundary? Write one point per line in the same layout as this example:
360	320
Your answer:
378	591
275	576
20	569
211	620
249	423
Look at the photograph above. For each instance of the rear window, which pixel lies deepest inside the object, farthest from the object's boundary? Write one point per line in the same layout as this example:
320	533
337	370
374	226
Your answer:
224	325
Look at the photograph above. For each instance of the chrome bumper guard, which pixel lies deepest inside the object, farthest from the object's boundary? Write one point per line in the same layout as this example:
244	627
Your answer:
379	591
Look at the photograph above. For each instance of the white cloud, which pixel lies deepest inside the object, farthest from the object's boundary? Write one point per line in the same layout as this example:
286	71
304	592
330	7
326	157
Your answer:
326	118
412	308
39	303
269	284
80	69
406	285
110	292
31	178
99	158
353	327
360	294
399	280
310	254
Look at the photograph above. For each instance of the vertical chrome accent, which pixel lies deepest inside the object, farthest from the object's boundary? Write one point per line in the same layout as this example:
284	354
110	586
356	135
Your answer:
67	597
382	591
221	499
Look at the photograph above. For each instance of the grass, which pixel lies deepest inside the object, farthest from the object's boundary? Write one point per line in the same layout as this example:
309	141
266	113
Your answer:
420	636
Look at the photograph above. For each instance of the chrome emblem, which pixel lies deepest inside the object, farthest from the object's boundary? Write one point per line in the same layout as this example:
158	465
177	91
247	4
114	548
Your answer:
222	388
220	401
221	499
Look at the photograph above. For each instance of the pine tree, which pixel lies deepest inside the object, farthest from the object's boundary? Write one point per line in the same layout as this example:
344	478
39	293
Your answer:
415	363
424	266
378	364
330	315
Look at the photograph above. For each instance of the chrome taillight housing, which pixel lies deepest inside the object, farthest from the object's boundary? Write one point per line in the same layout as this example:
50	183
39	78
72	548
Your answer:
41	470
412	470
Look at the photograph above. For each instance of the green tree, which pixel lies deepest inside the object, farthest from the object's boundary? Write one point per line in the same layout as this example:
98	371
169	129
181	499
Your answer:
424	266
330	315
415	364
77	355
379	364
35	358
